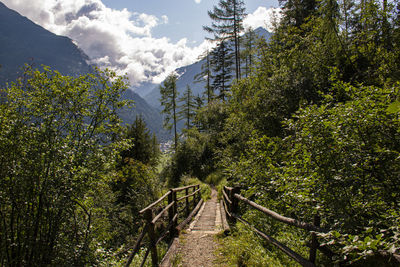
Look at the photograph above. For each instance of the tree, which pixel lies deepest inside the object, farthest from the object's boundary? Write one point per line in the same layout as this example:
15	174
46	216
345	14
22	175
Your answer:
169	97
188	106
297	11
248	54
227	24
57	141
206	76
222	68
143	145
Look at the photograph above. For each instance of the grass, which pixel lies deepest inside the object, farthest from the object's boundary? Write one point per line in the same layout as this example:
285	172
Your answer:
244	248
205	189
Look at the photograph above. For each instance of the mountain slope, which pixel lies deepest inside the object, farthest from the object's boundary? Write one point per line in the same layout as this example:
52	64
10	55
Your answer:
186	77
150	115
22	41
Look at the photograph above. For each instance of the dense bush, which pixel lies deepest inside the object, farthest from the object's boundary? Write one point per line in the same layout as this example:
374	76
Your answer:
56	143
340	160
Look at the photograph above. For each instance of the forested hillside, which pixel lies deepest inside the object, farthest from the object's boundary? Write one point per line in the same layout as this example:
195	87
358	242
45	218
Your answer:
314	128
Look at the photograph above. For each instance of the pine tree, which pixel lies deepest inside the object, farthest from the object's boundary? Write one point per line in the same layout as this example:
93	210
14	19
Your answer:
156	149
142	143
199	102
169	97
206	76
222	67
187	109
248	53
297	11
227	24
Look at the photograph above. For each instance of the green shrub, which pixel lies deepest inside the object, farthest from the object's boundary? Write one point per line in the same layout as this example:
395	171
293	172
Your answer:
243	248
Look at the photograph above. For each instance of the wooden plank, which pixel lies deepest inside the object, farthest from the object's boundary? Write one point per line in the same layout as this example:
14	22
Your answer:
194	211
278	217
225	224
155	203
278	244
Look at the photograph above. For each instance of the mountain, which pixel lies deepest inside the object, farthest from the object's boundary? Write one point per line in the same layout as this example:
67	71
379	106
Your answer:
22	41
186	76
150	115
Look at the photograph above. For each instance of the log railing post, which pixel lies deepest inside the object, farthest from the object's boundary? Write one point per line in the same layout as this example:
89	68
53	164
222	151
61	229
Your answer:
234	206
198	194
187	208
175	210
171	214
152	237
194	198
314	241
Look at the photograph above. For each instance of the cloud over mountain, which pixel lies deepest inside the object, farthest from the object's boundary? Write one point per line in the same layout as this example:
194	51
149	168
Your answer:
118	39
263	17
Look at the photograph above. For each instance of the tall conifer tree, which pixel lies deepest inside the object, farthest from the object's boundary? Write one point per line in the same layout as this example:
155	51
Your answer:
188	106
169	98
222	67
206	76
227	24
248	53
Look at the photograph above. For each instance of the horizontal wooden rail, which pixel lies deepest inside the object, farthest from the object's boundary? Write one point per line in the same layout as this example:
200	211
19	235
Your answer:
227	209
173	214
189	218
278	244
162	212
230	202
190	195
183	188
278	217
155	203
226	197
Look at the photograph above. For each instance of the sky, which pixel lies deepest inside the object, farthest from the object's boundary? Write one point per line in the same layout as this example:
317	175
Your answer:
143	39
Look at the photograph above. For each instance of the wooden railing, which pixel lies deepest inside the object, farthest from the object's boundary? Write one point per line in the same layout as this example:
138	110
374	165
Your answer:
173	228
231	198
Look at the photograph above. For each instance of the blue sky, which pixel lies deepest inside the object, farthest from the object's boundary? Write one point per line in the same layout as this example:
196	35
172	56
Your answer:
143	39
186	17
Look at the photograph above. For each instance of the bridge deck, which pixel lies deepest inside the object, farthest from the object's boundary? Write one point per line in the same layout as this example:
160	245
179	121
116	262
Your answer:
197	244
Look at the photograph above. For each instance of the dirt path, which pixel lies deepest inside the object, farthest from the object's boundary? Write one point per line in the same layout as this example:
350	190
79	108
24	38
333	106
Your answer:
197	245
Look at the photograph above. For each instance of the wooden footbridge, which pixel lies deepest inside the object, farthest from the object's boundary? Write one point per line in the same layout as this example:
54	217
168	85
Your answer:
169	215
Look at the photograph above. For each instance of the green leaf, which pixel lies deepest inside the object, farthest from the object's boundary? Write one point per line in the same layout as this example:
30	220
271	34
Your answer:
394	107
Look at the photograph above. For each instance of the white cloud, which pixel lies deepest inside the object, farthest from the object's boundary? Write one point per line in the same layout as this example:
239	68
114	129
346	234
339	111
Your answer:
262	17
197	1
118	39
